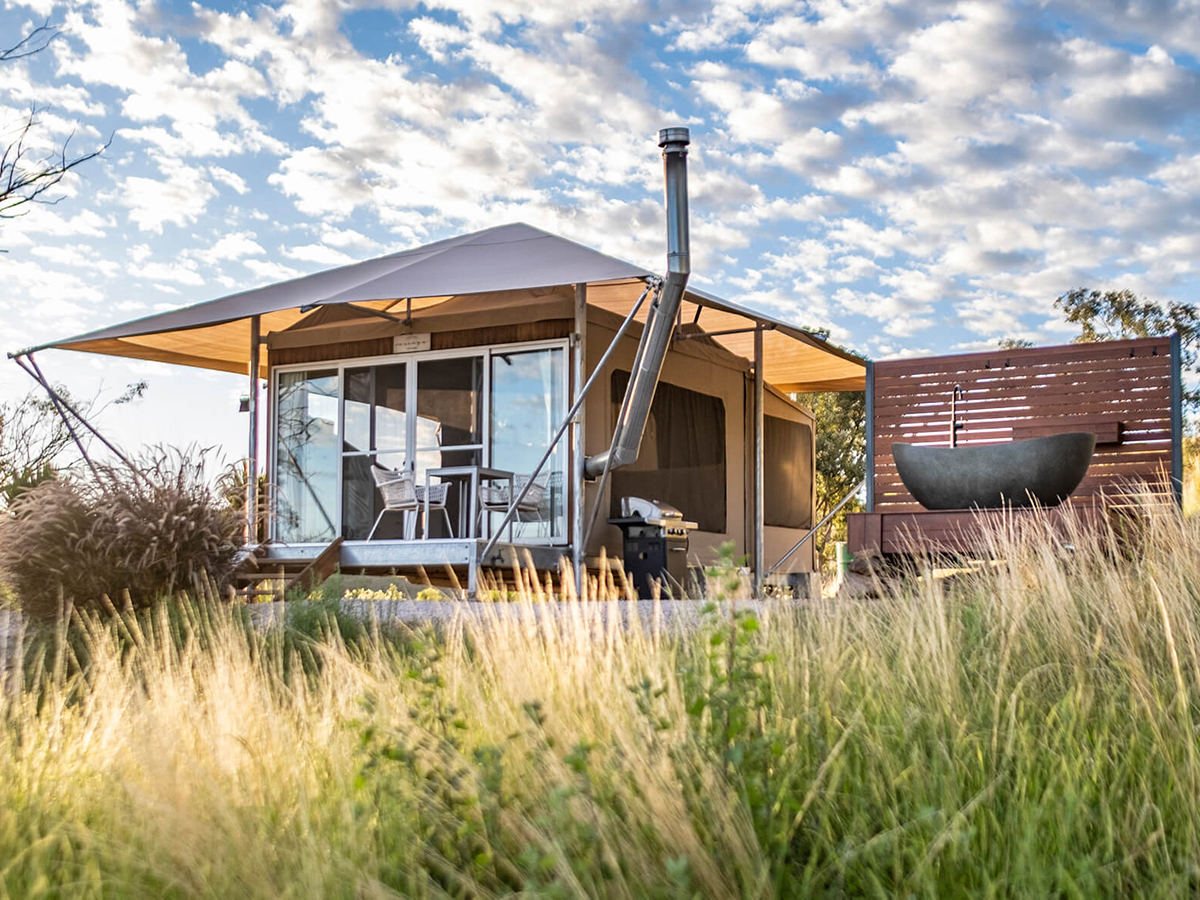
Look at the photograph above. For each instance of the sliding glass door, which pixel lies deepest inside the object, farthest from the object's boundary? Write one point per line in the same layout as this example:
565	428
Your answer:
496	407
306	456
375	423
528	402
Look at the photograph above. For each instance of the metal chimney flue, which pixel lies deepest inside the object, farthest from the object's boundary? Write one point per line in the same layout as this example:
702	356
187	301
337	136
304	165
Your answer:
660	321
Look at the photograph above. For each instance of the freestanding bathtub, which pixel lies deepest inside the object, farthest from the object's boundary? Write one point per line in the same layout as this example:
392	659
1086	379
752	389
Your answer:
1041	470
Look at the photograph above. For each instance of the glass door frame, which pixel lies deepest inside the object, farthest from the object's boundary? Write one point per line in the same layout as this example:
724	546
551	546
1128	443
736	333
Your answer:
411	361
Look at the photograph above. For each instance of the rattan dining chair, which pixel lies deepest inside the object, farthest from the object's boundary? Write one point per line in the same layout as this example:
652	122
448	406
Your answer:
532	508
401	494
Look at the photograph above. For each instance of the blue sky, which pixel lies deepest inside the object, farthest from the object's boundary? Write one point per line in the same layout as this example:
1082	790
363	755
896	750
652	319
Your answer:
915	176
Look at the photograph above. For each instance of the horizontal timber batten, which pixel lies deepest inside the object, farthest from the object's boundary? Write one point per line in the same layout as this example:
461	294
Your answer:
1124	392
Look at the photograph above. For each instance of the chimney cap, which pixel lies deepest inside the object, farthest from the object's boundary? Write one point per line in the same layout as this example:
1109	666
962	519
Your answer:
675	135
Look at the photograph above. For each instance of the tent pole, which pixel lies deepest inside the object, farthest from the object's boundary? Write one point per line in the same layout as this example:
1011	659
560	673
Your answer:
58	408
252	455
759	555
580	449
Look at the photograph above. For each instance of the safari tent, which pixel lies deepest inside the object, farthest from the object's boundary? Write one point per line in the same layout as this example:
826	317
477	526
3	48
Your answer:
460	362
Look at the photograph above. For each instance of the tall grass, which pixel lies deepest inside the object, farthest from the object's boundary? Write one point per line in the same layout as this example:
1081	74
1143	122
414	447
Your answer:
1026	729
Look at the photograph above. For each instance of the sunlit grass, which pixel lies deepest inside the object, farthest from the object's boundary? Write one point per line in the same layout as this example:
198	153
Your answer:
1026	729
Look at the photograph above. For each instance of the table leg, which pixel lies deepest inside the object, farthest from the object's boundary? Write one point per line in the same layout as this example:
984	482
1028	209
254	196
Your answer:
425	533
474	502
512	487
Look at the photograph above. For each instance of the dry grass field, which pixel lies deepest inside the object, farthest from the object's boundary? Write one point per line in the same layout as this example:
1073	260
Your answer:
1026	729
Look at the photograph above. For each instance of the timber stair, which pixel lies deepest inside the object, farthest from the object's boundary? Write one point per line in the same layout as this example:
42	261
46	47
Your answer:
259	577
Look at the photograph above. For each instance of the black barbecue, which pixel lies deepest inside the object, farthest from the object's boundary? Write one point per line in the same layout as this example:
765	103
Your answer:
655	538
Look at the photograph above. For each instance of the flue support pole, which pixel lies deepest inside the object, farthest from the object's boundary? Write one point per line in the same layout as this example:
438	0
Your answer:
578	489
252	454
760	559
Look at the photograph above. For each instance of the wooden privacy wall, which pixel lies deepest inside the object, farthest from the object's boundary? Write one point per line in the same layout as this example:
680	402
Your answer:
1126	392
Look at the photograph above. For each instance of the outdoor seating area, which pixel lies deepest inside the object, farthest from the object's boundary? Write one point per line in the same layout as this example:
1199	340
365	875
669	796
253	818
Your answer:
478	492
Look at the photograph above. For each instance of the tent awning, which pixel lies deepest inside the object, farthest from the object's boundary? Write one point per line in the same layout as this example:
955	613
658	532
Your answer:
491	275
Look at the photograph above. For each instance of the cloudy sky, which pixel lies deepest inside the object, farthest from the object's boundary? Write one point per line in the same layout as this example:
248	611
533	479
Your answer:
915	176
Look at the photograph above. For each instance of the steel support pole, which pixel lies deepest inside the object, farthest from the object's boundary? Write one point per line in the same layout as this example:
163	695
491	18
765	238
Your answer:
252	454
579	452
760	560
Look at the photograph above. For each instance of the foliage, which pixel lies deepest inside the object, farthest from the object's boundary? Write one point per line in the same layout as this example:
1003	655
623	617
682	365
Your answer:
232	487
34	439
1120	315
1030	728
32	436
132	537
841	457
1014	344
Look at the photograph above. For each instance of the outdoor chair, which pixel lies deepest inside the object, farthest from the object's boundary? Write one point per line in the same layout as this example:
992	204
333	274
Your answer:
401	494
532	508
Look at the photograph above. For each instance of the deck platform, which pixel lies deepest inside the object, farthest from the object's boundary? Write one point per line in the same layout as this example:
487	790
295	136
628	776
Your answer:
960	531
439	562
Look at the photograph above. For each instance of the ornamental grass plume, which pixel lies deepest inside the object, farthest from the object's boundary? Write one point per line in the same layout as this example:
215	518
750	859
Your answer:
121	534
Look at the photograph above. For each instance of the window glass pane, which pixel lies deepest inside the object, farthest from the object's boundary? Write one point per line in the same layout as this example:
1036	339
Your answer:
306	456
682	459
390	421
358	411
449	395
374	403
528	399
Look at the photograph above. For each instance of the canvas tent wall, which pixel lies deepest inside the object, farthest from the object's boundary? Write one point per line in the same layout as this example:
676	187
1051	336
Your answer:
709	393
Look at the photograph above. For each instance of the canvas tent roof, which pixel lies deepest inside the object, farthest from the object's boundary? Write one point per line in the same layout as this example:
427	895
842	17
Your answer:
481	276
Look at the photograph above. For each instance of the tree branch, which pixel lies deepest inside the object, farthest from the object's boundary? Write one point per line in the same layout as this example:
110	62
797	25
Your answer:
34	42
23	182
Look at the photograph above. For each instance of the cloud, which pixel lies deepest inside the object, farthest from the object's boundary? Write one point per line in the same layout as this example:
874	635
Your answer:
319	254
179	198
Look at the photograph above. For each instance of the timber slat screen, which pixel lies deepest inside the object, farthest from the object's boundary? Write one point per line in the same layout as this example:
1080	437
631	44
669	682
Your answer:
1125	392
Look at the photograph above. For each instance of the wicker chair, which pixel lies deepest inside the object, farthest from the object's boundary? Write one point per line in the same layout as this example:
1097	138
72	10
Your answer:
532	508
401	494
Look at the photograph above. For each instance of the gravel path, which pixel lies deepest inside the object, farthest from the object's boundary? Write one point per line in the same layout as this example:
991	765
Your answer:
671	613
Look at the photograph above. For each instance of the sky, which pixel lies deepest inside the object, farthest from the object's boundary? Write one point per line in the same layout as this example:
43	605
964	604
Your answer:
916	177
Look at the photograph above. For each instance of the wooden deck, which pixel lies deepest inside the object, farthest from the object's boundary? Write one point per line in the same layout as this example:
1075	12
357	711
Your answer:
1127	393
438	562
957	531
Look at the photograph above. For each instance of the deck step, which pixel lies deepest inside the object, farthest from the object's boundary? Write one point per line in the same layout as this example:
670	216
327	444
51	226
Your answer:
284	575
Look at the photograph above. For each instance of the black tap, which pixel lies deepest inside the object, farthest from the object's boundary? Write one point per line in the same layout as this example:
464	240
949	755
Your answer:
955	424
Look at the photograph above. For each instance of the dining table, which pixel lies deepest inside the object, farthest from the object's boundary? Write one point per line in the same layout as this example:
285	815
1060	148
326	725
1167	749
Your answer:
468	513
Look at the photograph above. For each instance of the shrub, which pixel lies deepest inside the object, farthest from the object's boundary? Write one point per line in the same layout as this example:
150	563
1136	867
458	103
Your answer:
147	534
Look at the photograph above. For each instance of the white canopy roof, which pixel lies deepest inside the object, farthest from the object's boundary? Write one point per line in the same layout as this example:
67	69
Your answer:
473	275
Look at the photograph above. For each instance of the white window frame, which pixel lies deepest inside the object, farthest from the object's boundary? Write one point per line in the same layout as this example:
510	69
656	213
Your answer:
410	387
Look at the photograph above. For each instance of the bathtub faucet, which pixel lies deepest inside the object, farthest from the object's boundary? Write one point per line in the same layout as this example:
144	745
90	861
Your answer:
955	424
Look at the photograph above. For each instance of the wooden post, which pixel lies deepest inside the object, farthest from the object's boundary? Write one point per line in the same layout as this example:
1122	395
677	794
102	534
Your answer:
579	449
870	436
252	455
1177	418
760	561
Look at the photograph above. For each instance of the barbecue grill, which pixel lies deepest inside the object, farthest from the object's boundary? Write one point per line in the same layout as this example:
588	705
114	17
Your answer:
655	539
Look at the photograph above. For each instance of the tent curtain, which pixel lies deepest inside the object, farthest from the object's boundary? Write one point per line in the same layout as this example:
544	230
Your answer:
787	473
682	461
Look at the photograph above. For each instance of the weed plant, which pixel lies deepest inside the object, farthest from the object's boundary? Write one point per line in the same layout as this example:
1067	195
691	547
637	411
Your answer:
1025	729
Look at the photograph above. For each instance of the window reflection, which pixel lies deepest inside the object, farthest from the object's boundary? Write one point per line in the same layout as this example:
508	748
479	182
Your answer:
528	401
306	456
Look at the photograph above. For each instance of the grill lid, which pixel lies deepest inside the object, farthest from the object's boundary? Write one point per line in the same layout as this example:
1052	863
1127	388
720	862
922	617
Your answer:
654	512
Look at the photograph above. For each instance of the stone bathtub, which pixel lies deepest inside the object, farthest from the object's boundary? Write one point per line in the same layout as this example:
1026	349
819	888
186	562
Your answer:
1042	470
